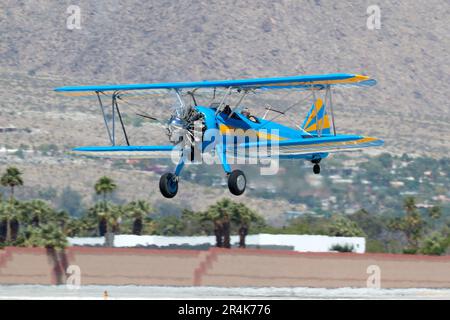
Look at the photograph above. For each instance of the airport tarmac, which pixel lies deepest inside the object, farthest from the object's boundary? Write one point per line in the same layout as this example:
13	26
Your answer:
155	292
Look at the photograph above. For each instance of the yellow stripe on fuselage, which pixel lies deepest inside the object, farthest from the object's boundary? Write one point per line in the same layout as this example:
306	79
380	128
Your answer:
228	130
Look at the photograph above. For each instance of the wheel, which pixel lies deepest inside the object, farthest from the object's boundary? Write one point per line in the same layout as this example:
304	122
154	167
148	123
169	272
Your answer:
168	185
316	168
237	182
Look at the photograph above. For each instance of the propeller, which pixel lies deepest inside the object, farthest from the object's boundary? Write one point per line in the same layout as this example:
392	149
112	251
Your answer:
180	126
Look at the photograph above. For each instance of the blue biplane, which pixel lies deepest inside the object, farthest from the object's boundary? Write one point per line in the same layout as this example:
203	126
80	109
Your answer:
312	141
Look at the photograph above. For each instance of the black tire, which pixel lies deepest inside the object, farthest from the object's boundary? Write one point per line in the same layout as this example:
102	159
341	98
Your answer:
316	168
168	185
237	182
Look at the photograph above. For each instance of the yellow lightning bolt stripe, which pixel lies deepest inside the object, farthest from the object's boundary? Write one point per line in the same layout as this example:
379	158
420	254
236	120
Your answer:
228	130
317	106
324	124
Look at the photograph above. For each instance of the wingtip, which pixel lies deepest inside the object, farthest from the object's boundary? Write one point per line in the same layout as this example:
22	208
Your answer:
361	77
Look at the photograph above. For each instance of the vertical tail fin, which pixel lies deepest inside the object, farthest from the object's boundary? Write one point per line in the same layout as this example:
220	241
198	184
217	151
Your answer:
317	119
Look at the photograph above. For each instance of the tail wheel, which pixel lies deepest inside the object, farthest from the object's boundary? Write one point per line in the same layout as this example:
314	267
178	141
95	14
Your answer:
168	185
237	182
316	168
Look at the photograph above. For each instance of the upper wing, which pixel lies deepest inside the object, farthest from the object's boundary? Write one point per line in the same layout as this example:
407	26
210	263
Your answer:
130	152
304	146
307	82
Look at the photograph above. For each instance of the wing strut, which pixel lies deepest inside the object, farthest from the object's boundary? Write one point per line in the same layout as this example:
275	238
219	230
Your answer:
238	103
328	93
114	109
104	117
192	94
318	128
120	117
223	100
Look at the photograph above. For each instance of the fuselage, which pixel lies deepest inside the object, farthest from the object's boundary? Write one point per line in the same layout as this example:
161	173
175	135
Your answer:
237	125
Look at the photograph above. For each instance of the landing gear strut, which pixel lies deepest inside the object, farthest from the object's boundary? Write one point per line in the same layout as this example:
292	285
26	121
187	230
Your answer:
168	184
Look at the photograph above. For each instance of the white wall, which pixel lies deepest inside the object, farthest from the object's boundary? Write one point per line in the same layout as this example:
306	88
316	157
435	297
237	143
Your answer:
301	243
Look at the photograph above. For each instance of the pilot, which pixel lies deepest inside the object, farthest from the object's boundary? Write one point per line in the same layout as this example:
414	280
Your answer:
227	110
246	112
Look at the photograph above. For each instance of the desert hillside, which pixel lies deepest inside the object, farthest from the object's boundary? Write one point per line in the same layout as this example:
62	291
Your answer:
152	41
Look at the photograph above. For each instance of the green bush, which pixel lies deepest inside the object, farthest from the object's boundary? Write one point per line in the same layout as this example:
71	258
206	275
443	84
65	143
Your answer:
343	227
342	248
375	246
435	245
409	251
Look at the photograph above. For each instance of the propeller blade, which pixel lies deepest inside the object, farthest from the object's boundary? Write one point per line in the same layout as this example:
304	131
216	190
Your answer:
147	117
153	121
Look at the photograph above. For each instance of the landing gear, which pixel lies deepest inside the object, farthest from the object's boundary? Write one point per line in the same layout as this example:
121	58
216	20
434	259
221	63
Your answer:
316	168
237	182
168	185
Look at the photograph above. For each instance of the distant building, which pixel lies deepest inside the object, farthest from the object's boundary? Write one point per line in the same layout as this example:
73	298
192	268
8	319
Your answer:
294	242
441	198
424	205
13	129
289	215
397	184
408	193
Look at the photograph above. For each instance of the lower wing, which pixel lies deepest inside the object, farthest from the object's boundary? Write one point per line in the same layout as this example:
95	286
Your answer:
129	152
261	149
297	147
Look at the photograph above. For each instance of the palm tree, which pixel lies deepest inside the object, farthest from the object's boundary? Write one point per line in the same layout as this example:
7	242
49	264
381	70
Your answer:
9	216
98	213
51	237
63	218
138	210
48	236
243	217
12	178
409	204
82	227
104	186
411	224
435	212
36	212
108	218
214	217
220	214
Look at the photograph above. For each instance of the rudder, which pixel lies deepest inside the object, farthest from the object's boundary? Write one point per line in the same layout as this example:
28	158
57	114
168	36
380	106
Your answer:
321	123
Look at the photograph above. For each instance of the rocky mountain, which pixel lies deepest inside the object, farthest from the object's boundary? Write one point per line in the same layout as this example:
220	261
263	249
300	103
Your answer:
150	41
